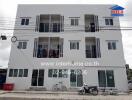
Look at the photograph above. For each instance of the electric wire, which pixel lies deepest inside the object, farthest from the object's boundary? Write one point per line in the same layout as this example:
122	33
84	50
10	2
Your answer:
11	24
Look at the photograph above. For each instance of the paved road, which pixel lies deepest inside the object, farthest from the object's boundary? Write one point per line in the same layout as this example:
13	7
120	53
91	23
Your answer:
56	96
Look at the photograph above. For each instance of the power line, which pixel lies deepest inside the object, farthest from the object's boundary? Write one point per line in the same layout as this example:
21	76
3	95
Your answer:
4	37
69	29
65	25
33	24
15	20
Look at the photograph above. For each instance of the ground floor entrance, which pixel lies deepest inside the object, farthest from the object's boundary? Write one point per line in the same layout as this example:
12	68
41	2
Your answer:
76	78
37	77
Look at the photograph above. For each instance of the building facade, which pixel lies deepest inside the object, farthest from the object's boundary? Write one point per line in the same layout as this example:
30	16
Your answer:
67	44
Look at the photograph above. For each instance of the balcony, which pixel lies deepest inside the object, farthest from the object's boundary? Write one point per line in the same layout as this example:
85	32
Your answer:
91	23
48	47
92	46
50	23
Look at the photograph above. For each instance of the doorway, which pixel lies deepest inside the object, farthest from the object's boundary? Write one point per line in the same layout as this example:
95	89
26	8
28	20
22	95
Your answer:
37	77
76	78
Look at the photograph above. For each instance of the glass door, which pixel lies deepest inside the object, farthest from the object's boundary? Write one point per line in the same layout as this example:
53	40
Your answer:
37	77
110	78
106	78
73	78
76	78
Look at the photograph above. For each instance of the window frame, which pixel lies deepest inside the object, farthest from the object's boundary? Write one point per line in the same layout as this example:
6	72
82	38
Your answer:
106	80
91	51
11	72
109	21
75	75
110	76
50	71
20	74
15	73
74	21
25	21
102	82
25	74
74	45
57	72
22	45
112	45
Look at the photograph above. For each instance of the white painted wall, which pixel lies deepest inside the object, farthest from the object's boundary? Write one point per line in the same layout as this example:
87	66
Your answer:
110	59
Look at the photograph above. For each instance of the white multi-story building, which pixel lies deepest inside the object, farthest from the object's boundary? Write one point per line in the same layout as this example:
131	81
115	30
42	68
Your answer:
71	44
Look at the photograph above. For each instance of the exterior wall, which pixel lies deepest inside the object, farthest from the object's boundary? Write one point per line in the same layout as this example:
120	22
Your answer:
90	78
110	59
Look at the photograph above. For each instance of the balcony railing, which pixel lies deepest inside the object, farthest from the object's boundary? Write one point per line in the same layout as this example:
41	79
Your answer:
91	23
92	47
52	53
49	23
53	27
48	47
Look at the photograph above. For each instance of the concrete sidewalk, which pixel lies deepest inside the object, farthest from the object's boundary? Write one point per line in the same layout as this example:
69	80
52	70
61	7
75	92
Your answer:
47	95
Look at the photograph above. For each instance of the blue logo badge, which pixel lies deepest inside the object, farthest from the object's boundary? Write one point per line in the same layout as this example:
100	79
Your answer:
117	11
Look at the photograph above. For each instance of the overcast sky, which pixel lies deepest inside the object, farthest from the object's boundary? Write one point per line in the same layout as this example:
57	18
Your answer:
8	12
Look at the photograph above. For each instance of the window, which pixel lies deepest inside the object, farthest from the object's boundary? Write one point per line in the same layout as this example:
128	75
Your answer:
102	78
111	45
18	72
63	73
55	73
24	21
27	22
74	22
15	72
10	72
108	21
114	45
91	51
22	45
25	73
106	78
50	73
74	45
58	73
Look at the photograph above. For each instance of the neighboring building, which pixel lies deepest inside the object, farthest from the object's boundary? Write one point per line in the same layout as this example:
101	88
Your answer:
129	72
3	73
58	34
